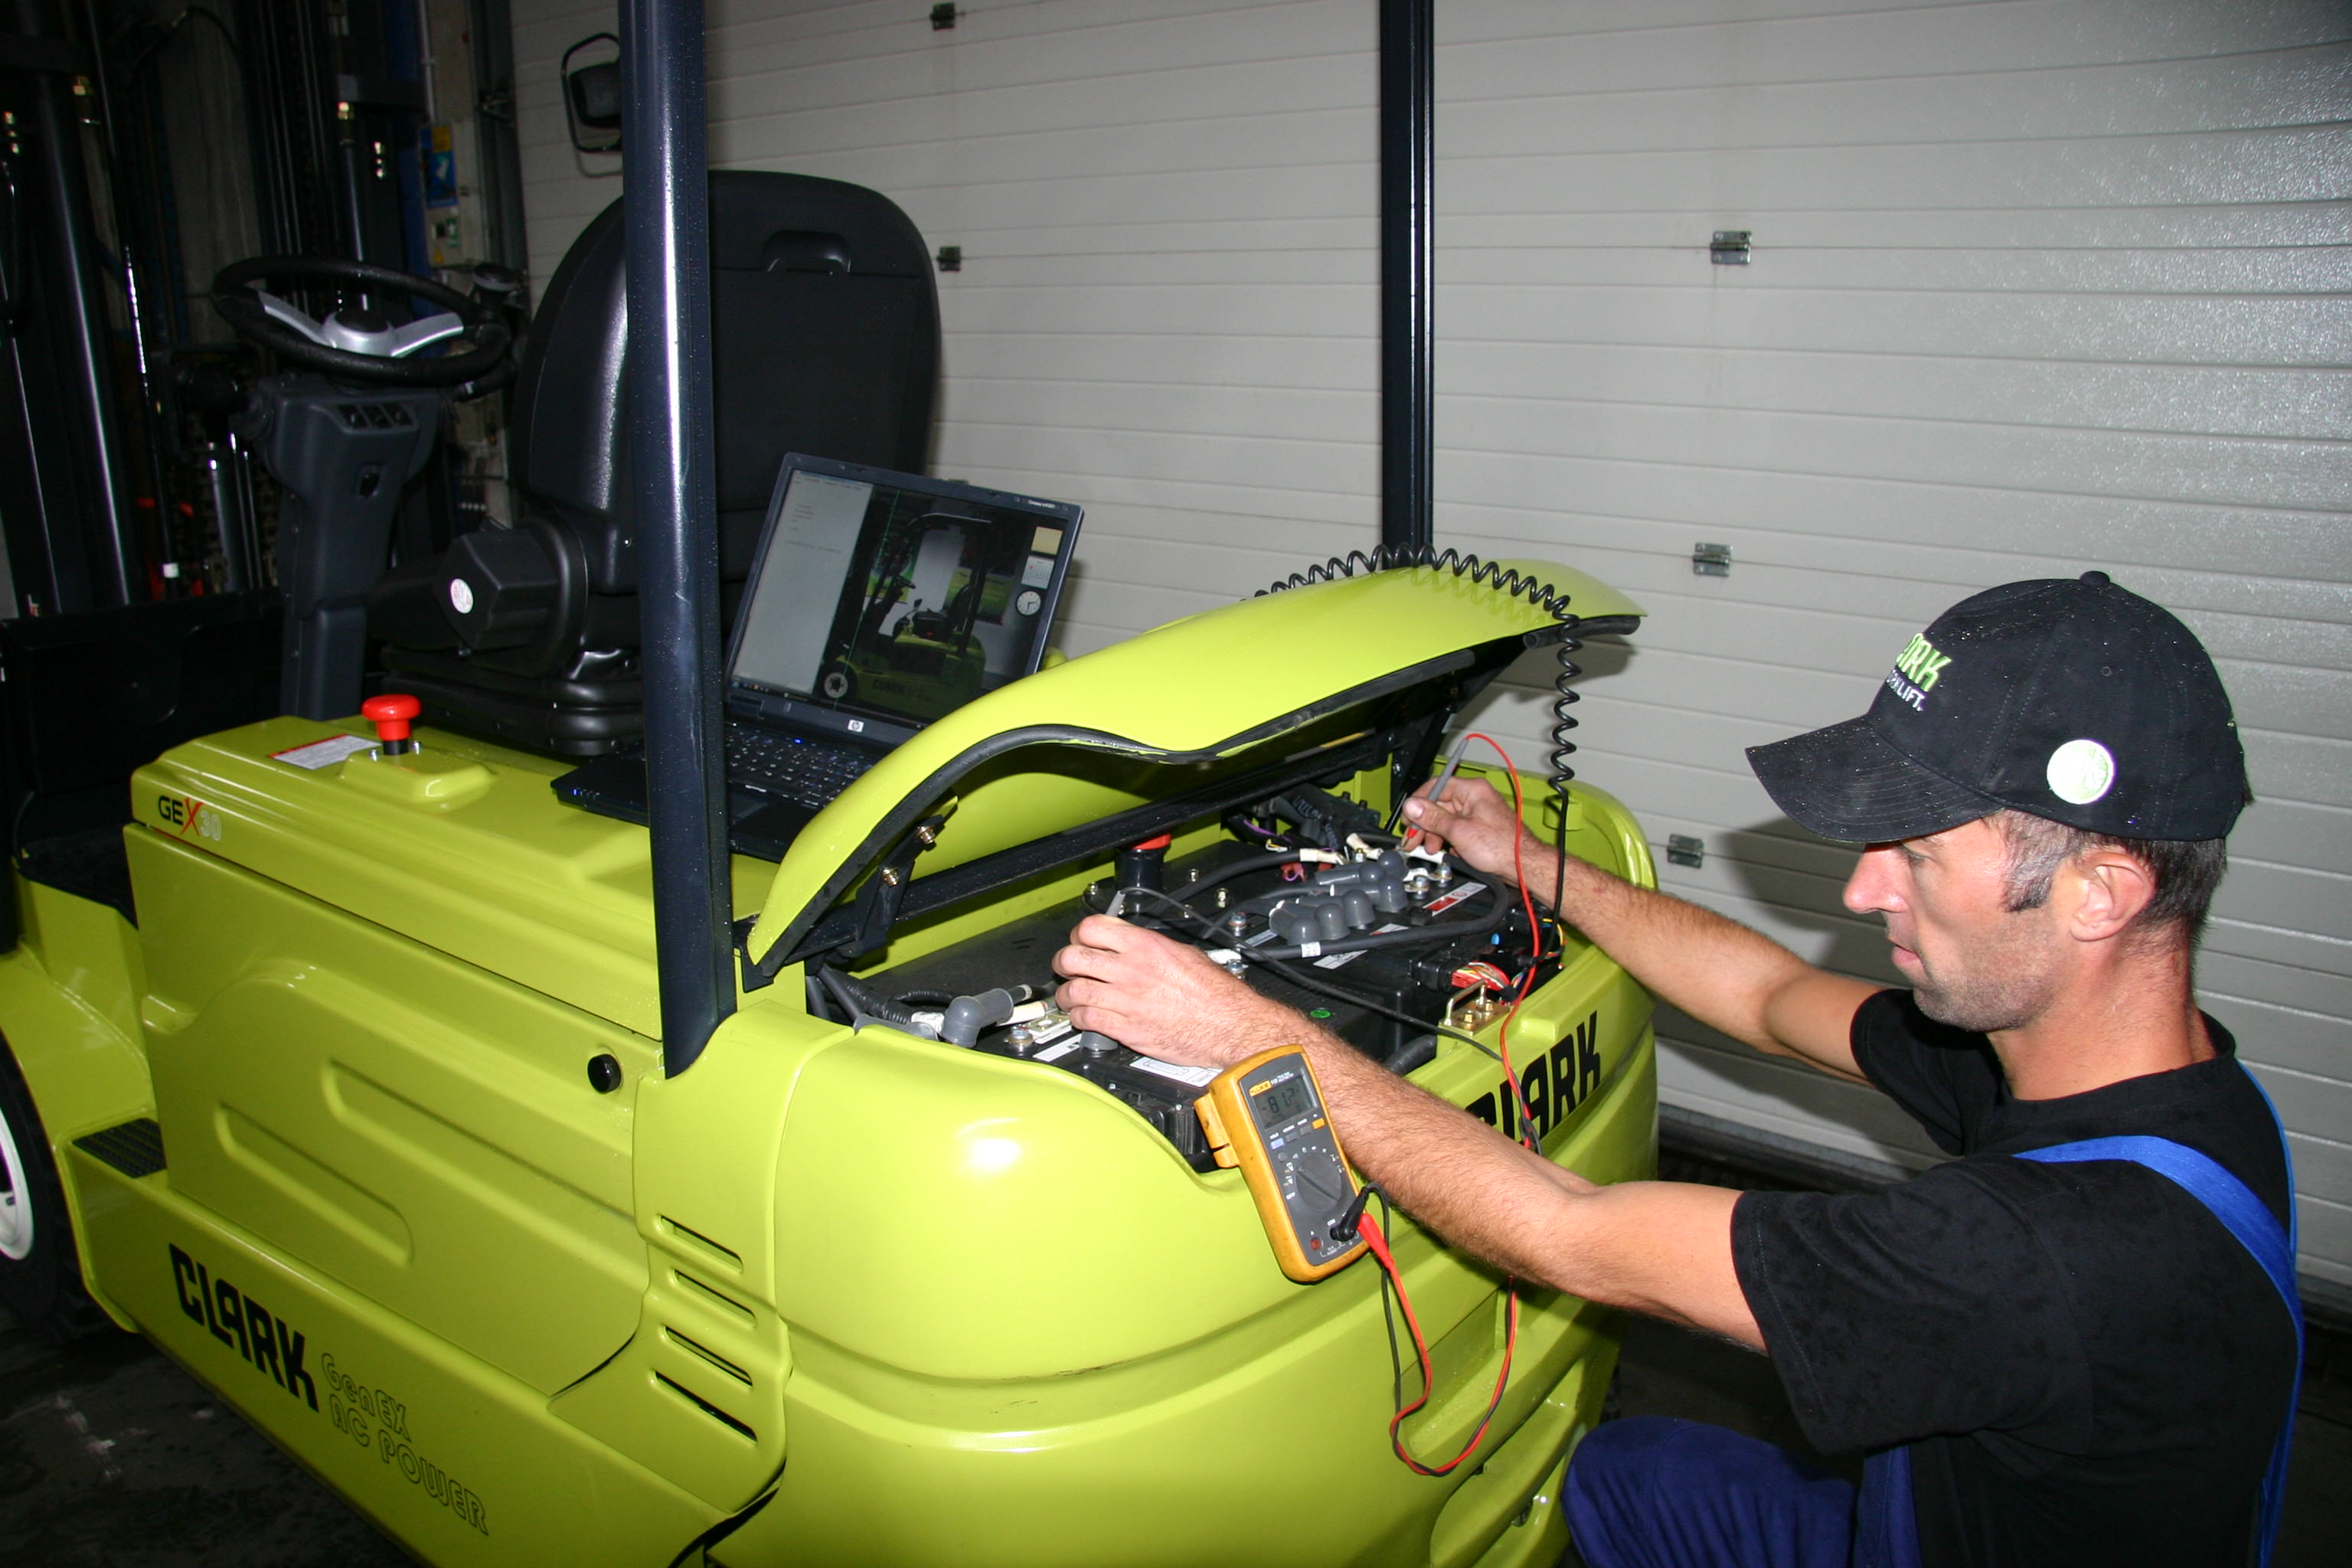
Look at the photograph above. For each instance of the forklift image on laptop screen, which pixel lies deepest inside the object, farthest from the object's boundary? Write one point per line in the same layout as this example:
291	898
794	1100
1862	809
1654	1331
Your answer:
913	644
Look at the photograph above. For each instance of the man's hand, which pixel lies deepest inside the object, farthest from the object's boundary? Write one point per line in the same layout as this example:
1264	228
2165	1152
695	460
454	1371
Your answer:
1722	974
1653	1247
1163	999
1479	826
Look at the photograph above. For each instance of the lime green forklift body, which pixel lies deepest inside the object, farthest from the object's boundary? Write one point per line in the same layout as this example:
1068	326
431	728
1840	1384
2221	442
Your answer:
326	1123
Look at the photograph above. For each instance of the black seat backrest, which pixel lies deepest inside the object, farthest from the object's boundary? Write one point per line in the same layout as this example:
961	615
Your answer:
824	327
825	339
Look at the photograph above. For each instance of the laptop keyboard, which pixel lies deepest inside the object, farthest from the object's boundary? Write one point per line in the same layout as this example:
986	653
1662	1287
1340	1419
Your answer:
809	772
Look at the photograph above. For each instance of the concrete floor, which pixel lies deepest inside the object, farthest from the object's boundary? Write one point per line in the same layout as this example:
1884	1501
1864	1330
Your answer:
110	1457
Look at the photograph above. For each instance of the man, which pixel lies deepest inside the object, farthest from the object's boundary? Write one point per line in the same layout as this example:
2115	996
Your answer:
2053	1354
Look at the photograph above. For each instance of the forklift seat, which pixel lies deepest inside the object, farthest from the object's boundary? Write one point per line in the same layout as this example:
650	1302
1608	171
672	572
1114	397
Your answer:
824	339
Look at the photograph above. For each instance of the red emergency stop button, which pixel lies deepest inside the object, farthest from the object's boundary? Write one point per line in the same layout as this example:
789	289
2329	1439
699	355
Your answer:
391	715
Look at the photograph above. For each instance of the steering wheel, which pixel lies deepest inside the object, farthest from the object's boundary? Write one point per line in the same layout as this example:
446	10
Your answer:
362	345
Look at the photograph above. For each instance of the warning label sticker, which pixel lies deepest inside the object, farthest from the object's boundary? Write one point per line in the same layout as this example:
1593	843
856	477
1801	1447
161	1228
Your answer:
1198	1077
323	753
1439	905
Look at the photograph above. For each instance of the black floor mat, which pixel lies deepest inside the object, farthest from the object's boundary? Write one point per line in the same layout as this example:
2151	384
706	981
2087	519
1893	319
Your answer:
92	864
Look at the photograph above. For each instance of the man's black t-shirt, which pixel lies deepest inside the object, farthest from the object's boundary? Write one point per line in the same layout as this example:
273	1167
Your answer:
2089	1368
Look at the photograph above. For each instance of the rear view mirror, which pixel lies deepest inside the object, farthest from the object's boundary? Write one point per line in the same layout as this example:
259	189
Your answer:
591	95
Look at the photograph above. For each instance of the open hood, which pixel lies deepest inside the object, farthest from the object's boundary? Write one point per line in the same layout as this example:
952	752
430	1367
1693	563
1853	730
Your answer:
1179	723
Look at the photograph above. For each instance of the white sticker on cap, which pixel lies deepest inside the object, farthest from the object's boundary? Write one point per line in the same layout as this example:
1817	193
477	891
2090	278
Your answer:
2081	771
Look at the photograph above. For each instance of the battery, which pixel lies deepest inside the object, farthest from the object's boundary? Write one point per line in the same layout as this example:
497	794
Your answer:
1414	979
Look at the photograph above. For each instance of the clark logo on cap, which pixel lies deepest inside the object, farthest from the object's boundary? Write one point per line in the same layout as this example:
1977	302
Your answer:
1918	663
2069	699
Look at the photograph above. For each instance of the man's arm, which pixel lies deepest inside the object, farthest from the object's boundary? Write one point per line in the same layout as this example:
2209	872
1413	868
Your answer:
1659	1247
1717	969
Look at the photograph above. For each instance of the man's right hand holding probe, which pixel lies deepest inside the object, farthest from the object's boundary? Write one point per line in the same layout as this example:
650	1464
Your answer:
1717	969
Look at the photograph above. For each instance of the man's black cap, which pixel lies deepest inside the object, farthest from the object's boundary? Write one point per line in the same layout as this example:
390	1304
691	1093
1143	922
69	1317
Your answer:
2068	699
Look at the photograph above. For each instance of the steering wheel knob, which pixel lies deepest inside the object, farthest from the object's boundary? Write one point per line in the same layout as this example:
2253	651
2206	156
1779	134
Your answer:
491	279
391	715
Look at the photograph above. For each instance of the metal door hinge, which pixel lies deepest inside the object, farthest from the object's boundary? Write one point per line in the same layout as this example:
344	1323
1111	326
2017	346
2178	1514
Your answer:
1684	850
1711	560
943	16
1730	247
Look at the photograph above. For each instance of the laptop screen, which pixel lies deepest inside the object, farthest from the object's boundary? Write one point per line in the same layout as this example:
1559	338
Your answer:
897	595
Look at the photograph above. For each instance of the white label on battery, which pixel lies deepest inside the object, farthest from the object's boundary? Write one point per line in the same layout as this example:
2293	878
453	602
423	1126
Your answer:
323	753
1053	1031
1340	960
1310	948
1198	1077
1055	1053
1438	906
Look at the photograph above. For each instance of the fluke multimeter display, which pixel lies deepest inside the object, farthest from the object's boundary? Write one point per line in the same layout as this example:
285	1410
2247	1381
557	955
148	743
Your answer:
1265	1116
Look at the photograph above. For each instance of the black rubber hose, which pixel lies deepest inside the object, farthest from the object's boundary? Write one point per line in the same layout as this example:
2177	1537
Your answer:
859	1001
1369	1004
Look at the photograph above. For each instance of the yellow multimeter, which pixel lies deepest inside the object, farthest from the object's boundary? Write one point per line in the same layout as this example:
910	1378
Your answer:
1266	1115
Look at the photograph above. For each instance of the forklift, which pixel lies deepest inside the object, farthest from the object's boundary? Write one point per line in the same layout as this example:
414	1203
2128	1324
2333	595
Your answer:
912	647
564	1191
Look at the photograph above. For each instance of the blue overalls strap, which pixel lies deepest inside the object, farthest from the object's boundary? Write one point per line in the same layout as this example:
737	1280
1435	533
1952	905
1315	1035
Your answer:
2243	1215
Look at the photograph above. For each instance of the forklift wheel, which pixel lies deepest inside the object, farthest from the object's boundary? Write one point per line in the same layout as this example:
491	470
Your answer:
40	1275
837	683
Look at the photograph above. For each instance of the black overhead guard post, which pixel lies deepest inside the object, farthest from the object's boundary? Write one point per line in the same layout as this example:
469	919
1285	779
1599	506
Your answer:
665	211
1408	336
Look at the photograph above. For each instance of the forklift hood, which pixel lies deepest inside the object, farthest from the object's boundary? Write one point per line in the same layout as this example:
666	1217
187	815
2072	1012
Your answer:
1145	735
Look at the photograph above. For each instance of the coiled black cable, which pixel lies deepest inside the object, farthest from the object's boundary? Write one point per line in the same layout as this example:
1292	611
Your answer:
1518	584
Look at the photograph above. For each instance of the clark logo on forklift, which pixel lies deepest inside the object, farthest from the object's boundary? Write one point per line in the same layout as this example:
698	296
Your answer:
1554	1084
267	1341
241	1324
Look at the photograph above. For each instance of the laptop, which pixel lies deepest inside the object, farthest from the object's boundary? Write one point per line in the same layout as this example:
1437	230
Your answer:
876	603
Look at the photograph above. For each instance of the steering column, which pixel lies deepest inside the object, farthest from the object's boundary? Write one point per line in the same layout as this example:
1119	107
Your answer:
344	432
